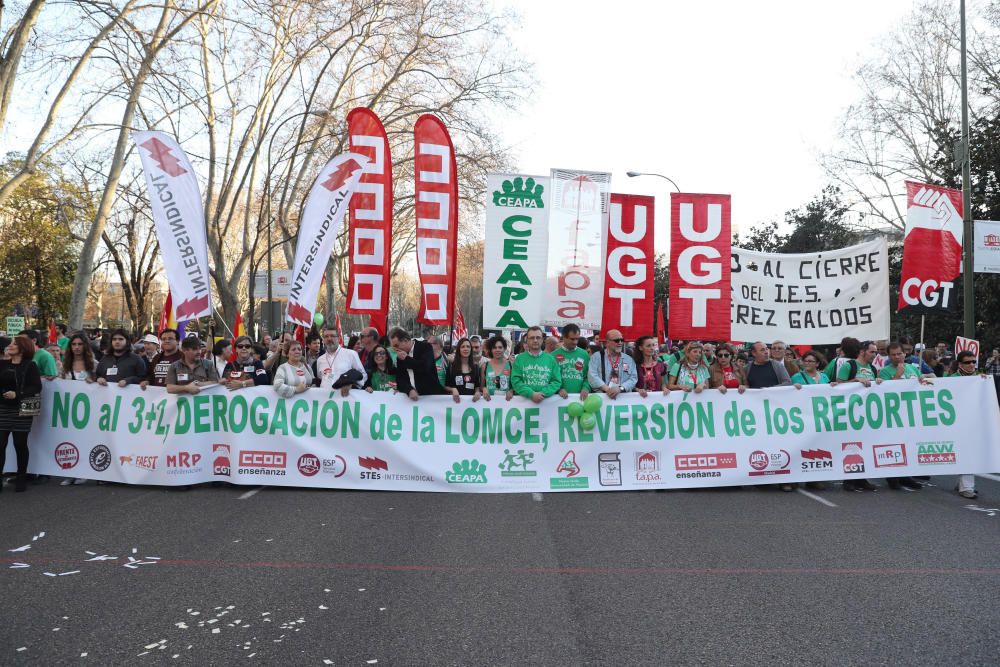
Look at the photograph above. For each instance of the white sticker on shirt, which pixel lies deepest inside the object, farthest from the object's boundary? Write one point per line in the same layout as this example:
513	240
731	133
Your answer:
112	371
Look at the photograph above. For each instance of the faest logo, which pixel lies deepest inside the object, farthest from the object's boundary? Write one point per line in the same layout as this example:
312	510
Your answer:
854	460
372	465
816	460
143	462
890	456
221	465
67	455
770	463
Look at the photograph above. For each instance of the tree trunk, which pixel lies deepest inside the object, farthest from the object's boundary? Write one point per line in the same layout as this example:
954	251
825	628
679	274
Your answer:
11	60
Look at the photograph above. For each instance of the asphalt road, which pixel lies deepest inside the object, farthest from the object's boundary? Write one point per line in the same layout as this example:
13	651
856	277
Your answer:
290	576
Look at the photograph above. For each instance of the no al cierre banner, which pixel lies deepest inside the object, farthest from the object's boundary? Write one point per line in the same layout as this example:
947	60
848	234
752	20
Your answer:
386	442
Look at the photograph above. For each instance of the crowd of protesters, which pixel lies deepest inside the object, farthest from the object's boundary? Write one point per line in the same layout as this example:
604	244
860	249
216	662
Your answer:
538	367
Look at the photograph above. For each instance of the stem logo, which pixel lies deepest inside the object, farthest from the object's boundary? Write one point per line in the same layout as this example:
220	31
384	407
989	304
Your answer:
516	465
933	453
466	472
519	193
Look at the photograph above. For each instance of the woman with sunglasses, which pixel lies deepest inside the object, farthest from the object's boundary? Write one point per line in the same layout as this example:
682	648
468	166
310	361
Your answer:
498	369
812	362
244	371
653	373
965	366
383	372
294	376
690	373
724	374
464	376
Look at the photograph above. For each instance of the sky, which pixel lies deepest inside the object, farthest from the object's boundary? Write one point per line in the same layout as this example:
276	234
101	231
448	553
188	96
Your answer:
724	97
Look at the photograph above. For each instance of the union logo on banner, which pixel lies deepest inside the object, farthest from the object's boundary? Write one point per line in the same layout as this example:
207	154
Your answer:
932	249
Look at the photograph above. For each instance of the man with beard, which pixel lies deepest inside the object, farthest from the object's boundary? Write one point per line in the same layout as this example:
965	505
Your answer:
159	365
573	363
335	361
611	370
121	366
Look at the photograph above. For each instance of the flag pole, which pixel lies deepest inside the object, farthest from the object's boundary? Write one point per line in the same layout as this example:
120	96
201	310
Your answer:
968	291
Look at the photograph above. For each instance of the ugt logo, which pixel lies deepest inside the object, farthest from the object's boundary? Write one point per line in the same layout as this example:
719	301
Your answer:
466	472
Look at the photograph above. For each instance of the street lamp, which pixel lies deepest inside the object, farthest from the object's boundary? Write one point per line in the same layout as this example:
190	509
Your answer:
633	174
267	198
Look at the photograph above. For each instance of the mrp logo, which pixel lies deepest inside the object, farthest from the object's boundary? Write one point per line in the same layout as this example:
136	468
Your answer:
255	459
854	460
890	456
182	463
935	453
816	460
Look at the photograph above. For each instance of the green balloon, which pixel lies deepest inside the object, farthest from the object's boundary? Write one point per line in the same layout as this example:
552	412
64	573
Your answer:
592	404
588	422
575	409
319	319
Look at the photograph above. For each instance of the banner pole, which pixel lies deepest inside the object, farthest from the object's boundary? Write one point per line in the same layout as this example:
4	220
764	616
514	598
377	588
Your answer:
922	330
969	273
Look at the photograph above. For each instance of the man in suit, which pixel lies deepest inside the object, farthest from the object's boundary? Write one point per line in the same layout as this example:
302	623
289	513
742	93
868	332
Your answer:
416	374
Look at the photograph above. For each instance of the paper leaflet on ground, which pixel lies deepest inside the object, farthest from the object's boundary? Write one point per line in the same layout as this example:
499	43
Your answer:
385	442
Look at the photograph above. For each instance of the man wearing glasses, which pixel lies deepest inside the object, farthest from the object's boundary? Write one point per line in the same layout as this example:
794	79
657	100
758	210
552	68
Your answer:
337	360
897	369
965	365
244	371
369	341
610	370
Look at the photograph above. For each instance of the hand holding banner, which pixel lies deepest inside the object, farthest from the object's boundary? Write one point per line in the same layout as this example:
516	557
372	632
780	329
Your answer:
321	220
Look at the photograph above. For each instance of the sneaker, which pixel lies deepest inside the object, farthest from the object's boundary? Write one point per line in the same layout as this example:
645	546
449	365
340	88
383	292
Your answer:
969	493
66	482
865	485
786	487
851	485
910	483
894	483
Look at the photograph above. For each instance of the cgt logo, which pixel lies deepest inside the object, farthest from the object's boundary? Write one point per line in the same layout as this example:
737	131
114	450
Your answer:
260	459
854	460
816	460
890	456
221	465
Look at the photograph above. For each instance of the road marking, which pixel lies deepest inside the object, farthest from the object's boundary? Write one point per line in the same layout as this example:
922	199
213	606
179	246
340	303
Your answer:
818	499
537	497
986	475
251	493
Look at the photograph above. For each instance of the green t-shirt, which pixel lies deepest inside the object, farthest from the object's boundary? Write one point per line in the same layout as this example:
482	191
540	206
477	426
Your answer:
498	383
688	377
802	378
382	381
441	364
531	374
573	367
62	342
46	363
865	371
909	371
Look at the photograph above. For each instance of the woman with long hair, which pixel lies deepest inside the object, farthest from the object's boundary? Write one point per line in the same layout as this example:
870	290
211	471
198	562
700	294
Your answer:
19	379
725	373
497	369
653	373
464	376
383	372
78	360
690	373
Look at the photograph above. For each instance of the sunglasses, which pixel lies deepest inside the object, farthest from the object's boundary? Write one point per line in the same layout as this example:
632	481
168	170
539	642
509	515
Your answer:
616	340
723	355
969	361
243	346
380	353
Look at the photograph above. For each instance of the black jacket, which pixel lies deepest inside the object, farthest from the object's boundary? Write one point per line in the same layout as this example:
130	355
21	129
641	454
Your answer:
129	367
420	361
23	379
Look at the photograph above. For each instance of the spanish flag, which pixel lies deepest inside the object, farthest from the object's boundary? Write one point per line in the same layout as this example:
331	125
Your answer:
167	320
239	329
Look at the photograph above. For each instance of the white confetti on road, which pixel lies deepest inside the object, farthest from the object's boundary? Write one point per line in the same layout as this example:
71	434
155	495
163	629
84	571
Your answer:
24	548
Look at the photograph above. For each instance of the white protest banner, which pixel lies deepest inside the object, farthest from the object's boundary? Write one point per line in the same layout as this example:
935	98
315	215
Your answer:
578	225
967	345
517	231
987	248
388	442
811	298
179	218
321	220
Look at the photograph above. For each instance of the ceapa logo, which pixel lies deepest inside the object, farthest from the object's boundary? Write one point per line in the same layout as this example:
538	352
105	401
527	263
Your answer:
67	455
854	459
647	466
890	456
694	466
519	193
308	465
936	453
372	465
770	463
335	466
466	472
816	460
100	458
221	465
263	459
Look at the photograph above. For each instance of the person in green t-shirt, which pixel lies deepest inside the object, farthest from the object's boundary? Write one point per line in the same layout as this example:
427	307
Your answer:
860	369
573	363
898	369
440	359
43	358
498	369
62	340
382	375
536	374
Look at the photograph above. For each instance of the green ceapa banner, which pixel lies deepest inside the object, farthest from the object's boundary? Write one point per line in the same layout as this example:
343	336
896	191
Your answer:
383	441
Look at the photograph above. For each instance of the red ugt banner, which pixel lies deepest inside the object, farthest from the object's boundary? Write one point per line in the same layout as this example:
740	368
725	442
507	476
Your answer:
628	277
436	192
700	255
370	260
932	248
